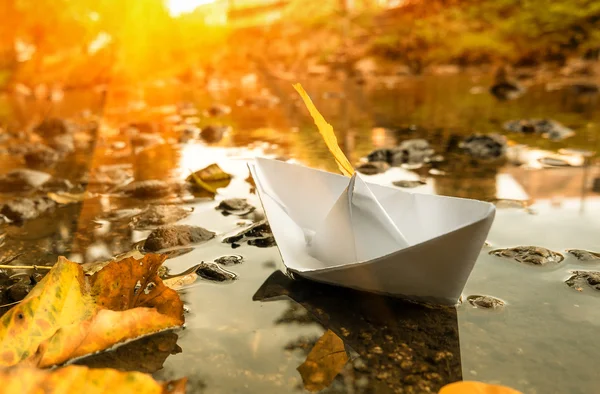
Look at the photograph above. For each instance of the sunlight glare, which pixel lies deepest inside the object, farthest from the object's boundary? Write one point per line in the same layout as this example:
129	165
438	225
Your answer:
178	7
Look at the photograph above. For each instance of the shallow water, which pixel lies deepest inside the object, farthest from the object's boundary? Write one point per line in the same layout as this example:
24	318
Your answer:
236	334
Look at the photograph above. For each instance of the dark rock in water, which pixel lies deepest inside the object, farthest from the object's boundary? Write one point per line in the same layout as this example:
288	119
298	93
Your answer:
408	184
22	180
386	155
176	235
52	127
57	185
213	134
64	143
548	128
596	185
19	290
229	260
485	302
152	188
373	167
158	215
415	151
235	206
533	255
585	255
259	230
507	90
579	279
26	208
218	110
42	156
585	88
484	146
211	271
263	242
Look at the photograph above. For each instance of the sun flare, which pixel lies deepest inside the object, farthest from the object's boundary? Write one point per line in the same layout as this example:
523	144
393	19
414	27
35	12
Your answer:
178	7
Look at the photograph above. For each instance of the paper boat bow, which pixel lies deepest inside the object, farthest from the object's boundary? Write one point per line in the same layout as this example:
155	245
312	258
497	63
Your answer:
346	232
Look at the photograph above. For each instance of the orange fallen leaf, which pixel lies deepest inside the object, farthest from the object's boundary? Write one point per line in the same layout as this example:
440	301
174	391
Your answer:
324	362
210	178
76	379
468	387
327	133
68	315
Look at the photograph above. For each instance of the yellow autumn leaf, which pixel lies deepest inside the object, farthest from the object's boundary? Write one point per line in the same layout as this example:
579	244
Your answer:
468	387
201	184
327	133
324	362
69	315
76	379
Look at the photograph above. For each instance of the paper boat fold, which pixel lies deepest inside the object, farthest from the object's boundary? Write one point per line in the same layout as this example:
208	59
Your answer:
347	232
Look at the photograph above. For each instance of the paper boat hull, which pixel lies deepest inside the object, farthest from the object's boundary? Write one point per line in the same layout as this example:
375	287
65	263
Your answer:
434	269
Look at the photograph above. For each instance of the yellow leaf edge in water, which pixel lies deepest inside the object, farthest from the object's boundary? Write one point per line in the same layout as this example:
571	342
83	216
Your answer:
327	133
473	387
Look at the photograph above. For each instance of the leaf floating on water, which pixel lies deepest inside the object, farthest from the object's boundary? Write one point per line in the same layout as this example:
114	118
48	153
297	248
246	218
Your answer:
210	178
327	132
68	315
467	387
324	362
68	198
77	379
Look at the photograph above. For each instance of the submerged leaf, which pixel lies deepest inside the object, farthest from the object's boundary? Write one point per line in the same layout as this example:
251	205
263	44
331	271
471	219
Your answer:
327	132
76	379
467	387
68	198
68	315
324	362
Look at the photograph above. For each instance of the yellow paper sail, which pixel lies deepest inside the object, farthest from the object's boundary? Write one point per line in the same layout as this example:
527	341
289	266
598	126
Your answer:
327	132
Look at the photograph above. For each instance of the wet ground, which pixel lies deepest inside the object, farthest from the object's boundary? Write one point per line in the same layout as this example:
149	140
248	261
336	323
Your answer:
520	324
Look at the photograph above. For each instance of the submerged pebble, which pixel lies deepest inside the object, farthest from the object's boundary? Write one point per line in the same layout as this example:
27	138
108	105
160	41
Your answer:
22	180
579	279
211	271
235	206
176	235
548	128
229	260
159	215
409	184
266	242
26	208
152	188
484	146
533	255
485	302
584	255
373	167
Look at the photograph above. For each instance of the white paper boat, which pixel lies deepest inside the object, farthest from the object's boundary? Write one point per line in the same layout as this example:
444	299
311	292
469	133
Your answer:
346	232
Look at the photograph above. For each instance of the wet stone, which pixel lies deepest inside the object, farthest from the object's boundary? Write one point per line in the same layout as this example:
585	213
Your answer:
235	206
372	168
22	209
580	279
227	261
213	134
263	242
57	185
485	302
386	155
415	151
484	146
22	180
584	255
546	127
213	272
159	215
152	188
409	184
176	235
64	143
51	127
42	156
19	290
533	255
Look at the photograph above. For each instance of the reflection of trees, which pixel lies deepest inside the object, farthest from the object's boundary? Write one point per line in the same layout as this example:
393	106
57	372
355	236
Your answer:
401	344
